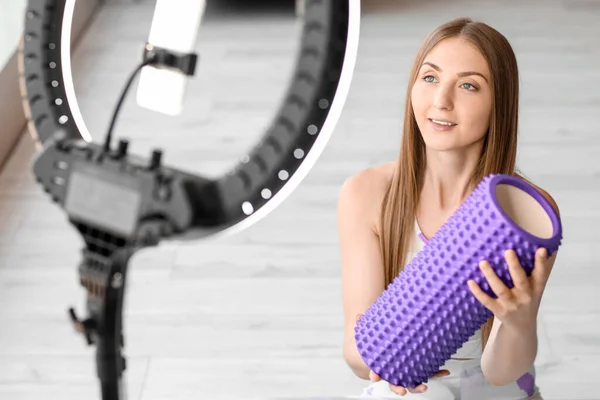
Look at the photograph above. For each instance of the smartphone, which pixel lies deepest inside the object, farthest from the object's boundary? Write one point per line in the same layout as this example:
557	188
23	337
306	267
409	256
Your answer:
174	27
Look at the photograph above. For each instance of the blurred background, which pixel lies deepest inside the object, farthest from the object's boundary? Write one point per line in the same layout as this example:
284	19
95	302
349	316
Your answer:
259	314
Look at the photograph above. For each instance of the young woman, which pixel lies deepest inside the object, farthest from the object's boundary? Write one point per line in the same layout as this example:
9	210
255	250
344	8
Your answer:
460	125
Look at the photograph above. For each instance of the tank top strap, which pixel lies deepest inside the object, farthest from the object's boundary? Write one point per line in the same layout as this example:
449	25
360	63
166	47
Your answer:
419	232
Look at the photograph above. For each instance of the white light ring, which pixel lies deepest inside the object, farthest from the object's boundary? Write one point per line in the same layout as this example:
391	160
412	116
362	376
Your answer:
65	61
333	115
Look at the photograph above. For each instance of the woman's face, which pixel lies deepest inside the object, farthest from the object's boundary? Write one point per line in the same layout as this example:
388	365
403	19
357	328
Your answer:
452	96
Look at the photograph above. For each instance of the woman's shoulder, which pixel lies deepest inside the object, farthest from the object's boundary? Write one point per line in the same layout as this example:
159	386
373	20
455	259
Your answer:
370	183
363	192
542	191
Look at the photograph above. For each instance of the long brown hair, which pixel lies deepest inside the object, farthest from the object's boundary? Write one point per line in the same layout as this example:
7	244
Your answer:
499	151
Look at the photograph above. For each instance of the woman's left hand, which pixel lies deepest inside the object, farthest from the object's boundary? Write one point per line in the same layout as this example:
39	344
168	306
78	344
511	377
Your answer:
516	308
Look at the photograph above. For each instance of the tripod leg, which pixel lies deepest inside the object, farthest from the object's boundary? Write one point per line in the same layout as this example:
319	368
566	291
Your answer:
104	279
111	391
109	359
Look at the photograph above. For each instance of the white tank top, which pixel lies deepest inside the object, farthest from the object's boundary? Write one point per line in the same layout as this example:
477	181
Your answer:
470	349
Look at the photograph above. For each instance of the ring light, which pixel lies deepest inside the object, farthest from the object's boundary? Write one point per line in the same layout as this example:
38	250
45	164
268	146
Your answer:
121	203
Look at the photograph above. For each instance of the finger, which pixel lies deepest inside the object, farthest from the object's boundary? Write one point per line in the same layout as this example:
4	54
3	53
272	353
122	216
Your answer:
441	373
373	377
517	273
483	297
398	389
498	287
541	270
419	389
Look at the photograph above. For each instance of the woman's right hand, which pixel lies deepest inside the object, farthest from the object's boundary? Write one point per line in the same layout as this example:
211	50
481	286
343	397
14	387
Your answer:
401	390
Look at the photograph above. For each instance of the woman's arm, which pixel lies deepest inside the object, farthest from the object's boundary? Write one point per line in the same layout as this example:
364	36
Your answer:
512	346
362	267
508	355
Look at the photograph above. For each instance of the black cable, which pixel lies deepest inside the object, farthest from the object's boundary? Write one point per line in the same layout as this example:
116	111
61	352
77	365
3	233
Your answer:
108	139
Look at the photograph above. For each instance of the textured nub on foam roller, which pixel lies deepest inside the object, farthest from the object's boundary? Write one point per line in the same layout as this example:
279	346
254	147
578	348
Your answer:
428	312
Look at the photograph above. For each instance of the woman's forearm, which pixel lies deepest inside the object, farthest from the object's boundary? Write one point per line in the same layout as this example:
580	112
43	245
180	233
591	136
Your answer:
510	354
355	361
361	371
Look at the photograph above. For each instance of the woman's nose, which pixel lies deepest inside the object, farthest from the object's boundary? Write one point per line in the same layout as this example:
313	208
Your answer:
443	99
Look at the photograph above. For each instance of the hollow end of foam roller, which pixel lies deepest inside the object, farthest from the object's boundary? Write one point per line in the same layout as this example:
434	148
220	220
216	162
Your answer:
527	210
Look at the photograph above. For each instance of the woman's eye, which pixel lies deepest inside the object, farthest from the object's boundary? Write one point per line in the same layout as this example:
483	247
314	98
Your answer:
468	86
429	78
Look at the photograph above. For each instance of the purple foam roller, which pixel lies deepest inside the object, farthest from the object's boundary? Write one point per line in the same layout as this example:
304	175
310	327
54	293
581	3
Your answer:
428	312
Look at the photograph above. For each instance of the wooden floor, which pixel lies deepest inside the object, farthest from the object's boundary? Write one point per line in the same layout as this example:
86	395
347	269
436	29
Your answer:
258	315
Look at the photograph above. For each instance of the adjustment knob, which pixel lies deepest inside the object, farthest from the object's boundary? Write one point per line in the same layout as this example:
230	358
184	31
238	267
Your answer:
122	149
155	159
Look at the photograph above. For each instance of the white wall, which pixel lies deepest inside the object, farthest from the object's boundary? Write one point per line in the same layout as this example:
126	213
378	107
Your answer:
11	27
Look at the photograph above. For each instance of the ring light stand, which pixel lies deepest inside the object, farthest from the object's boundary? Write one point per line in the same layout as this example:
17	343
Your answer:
121	203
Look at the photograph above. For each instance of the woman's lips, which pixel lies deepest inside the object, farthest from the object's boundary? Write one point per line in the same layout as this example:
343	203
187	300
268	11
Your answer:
441	125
